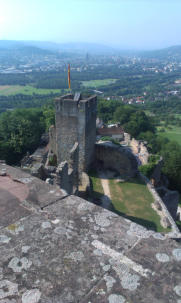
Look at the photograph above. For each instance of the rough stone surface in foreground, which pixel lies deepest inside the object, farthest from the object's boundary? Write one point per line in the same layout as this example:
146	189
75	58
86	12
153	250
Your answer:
70	250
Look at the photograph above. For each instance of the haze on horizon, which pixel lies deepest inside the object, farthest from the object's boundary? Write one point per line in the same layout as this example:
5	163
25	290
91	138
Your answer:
126	24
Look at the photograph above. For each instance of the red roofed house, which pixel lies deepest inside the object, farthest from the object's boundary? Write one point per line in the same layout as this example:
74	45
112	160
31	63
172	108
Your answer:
115	132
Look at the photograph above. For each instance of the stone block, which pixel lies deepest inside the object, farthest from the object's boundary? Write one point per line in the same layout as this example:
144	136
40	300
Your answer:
158	205
166	222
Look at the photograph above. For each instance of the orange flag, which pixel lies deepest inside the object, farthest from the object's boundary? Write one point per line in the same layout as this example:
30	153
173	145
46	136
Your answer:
69	75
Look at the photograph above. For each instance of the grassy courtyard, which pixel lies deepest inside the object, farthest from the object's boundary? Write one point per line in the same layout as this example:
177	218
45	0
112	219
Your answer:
133	200
96	184
130	199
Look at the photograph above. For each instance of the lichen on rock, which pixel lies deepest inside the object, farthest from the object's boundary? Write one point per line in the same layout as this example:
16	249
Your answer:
7	289
31	296
17	265
162	257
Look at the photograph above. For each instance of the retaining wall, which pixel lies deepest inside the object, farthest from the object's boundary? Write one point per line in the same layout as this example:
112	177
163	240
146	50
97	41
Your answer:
162	205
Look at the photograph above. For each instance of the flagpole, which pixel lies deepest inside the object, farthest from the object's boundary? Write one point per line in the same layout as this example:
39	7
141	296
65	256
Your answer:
69	81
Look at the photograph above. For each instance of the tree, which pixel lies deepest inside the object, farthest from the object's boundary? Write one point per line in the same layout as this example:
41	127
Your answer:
138	123
20	131
49	116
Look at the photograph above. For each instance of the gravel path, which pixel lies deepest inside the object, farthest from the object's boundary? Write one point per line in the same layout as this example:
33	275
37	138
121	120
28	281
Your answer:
106	199
105	185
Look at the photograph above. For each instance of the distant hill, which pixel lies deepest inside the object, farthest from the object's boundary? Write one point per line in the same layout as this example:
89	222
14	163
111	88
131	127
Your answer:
10	44
42	45
33	50
72	47
61	47
87	47
38	47
21	48
173	51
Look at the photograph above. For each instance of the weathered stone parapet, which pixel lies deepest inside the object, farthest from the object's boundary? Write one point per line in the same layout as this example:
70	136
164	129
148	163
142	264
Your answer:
163	207
60	248
170	199
140	149
116	157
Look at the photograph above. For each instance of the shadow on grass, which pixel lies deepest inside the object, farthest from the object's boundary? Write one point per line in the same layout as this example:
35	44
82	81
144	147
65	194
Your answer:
112	175
146	223
179	225
96	198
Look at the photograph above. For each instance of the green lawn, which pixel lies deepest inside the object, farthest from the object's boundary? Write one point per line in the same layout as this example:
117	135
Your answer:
133	200
130	199
98	83
96	184
6	90
172	134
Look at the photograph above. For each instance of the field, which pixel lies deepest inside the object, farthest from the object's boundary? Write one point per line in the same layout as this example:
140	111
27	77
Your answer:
98	83
6	90
178	116
172	133
130	199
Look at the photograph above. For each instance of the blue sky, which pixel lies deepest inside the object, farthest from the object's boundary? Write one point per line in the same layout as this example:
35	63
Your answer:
140	24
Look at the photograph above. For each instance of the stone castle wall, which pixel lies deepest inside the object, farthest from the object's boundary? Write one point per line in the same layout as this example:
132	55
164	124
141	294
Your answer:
139	148
76	122
72	139
118	158
66	112
159	204
87	154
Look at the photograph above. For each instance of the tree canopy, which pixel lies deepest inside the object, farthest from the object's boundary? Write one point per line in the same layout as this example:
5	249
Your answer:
20	131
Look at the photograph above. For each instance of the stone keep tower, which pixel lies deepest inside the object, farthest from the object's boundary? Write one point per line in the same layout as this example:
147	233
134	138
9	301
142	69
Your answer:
75	120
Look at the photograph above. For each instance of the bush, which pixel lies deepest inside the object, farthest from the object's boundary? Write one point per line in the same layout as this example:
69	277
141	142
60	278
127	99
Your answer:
107	138
162	130
147	169
153	159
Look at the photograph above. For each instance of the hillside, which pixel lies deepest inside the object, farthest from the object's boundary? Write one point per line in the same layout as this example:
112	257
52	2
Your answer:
170	52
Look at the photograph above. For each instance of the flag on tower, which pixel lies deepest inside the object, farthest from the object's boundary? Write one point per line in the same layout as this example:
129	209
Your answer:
69	76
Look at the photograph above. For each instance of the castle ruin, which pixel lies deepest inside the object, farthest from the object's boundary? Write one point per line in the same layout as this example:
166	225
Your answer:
72	140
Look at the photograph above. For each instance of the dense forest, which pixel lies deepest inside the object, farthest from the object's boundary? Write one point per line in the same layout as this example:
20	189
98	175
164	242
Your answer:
21	130
24	101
